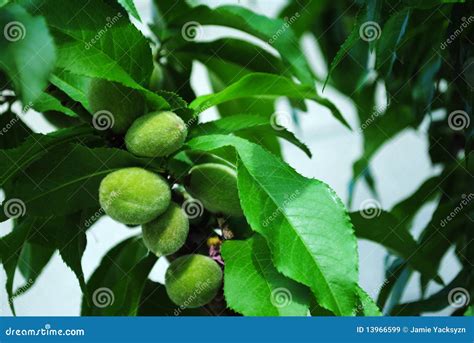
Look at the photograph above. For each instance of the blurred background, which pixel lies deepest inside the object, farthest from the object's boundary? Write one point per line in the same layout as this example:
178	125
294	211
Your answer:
399	168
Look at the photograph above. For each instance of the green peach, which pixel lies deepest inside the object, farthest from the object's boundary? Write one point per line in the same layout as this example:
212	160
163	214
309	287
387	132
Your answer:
125	104
156	134
215	185
193	280
166	234
134	195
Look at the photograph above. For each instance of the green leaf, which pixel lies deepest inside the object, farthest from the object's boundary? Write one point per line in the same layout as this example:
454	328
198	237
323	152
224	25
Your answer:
130	7
379	129
27	52
11	247
368	306
306	225
238	123
386	230
97	41
253	286
115	288
13	131
47	102
34	258
470	311
66	234
348	44
75	86
275	32
266	86
235	51
406	209
12	161
223	74
462	284
68	180
392	34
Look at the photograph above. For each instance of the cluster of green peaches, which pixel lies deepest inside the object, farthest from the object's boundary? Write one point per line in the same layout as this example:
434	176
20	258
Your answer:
137	196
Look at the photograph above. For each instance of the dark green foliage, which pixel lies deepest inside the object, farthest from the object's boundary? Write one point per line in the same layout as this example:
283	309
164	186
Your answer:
234	201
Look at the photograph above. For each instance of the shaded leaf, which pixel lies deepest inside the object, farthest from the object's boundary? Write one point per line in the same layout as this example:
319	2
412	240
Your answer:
12	161
68	180
275	32
116	287
27	52
130	7
386	230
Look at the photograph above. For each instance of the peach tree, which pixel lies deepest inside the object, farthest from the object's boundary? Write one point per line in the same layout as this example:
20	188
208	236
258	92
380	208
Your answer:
244	233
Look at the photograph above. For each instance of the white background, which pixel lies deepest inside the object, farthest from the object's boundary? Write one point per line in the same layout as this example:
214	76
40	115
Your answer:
399	168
